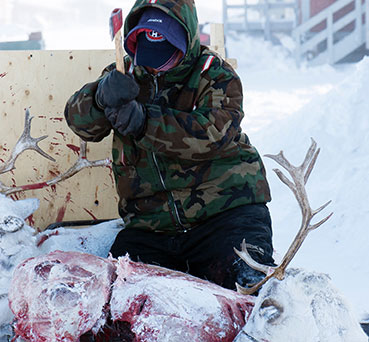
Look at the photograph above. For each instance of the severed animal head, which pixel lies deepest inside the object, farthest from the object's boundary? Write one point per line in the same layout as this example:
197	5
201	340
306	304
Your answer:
304	306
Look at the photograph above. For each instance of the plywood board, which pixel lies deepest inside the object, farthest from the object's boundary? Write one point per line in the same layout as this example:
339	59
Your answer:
217	39
43	81
217	43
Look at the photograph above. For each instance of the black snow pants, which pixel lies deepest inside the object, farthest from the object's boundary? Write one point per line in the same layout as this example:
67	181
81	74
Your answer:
206	251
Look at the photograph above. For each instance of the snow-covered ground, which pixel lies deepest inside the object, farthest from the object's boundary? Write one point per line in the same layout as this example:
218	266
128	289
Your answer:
284	107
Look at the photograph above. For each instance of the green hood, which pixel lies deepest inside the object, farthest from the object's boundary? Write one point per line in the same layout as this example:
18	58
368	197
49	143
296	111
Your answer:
184	11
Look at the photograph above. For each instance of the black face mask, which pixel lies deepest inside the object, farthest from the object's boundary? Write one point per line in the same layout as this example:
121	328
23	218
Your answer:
153	50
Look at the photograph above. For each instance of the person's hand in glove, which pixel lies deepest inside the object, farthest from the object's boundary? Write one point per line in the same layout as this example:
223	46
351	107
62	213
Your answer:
128	119
116	89
115	95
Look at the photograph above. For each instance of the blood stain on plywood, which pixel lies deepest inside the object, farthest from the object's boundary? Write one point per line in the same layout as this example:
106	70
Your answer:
74	148
62	134
62	210
30	220
90	213
56	119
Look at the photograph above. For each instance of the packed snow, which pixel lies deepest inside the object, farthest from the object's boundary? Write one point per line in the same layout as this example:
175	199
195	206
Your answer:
284	107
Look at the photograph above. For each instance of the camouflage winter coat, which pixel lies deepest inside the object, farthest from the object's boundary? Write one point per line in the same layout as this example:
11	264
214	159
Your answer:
192	161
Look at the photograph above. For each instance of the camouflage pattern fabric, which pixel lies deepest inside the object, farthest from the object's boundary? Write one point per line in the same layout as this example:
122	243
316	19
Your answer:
193	160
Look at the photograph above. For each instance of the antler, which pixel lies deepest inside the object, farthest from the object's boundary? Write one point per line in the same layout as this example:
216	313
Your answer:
300	176
26	142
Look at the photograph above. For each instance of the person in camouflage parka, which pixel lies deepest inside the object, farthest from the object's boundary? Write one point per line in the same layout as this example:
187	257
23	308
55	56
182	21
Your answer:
186	162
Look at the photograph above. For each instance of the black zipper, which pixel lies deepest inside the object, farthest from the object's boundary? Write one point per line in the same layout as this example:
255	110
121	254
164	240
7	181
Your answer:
172	204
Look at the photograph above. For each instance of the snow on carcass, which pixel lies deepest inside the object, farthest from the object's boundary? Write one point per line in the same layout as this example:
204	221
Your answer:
96	239
60	296
305	306
165	305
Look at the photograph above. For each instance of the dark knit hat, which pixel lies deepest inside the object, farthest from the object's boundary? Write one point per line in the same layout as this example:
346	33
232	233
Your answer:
156	39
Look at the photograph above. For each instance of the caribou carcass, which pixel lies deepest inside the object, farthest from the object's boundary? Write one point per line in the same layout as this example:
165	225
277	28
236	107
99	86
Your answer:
63	295
149	303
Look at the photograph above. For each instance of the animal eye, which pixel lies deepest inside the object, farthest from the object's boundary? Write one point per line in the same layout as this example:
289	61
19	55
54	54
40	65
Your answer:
271	310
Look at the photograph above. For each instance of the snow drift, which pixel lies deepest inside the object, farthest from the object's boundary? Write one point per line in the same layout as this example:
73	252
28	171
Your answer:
339	122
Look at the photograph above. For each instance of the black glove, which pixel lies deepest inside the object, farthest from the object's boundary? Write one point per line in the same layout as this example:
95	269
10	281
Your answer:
116	89
127	119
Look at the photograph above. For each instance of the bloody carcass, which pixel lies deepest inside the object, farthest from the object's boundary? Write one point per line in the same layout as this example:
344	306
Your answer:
75	293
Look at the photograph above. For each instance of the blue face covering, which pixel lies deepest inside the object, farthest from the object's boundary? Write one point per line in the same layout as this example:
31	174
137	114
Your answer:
153	50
